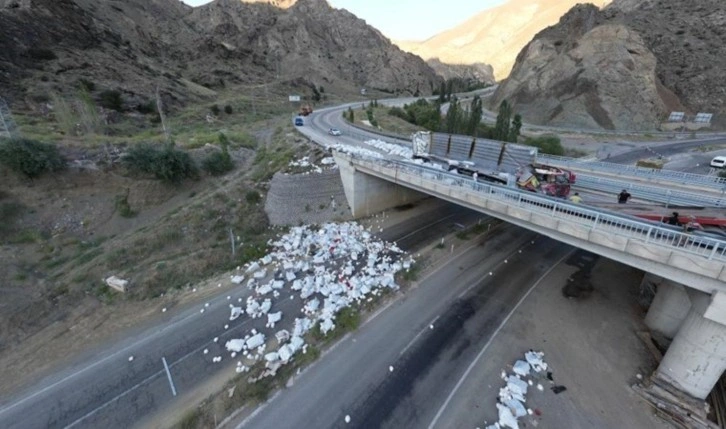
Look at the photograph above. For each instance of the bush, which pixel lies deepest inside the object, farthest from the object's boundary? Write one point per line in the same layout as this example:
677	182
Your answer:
547	144
228	109
722	173
30	157
218	163
168	164
214	109
111	99
253	197
87	84
146	108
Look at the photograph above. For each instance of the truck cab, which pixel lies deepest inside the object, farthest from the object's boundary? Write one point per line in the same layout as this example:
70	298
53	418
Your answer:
299	121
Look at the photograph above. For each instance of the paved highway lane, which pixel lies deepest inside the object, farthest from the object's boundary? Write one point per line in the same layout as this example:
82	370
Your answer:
427	338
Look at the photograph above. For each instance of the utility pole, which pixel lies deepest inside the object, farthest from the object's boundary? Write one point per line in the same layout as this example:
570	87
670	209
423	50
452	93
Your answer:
8	128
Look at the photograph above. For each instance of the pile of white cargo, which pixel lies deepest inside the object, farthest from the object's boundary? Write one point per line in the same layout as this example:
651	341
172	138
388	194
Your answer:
391	149
330	268
305	166
511	403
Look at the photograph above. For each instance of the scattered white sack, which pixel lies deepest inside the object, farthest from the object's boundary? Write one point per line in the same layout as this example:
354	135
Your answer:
517	385
237	279
266	306
254	267
163	310
506	418
296	343
264	289
255	341
516	408
272	357
131	358
117	283
273	318
236	345
278	284
536	360
216	339
266	260
235	313
289	276
260	274
285	353
347	418
521	368
282	336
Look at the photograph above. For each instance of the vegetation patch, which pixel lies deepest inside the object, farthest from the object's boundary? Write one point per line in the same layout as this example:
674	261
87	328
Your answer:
30	157
549	145
167	164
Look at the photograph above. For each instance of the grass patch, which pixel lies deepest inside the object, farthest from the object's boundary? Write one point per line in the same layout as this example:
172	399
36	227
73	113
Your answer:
645	163
411	274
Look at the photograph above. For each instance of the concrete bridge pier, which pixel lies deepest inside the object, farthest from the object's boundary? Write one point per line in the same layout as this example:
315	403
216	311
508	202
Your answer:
368	194
696	358
669	307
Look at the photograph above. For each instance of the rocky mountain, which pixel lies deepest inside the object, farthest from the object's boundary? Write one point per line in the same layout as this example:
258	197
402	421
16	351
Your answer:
494	36
624	67
136	45
478	72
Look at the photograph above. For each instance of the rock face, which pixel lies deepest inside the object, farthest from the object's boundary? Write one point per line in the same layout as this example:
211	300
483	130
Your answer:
474	72
136	45
624	67
494	36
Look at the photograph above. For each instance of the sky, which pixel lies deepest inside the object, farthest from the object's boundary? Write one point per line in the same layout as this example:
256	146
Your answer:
408	19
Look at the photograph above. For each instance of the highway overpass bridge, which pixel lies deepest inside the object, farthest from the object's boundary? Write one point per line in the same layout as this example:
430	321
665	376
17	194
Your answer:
691	269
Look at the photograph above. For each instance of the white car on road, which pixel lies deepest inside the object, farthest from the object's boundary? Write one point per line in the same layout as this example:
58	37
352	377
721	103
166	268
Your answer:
719	162
334	132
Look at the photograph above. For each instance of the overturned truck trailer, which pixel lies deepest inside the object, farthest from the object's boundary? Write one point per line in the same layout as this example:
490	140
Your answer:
493	161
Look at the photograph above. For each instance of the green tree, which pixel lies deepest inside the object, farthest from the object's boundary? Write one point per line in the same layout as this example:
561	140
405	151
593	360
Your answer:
501	128
442	92
453	116
111	99
515	128
474	118
351	115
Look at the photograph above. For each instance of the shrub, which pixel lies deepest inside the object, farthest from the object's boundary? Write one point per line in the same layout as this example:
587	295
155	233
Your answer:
217	163
167	164
547	144
41	54
146	108
228	109
214	109
87	84
30	157
253	197
722	173
111	99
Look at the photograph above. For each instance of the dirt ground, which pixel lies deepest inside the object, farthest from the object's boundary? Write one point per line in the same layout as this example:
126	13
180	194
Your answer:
590	344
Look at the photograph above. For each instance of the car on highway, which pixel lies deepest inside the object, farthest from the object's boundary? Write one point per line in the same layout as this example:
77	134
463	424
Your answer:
334	132
718	162
299	122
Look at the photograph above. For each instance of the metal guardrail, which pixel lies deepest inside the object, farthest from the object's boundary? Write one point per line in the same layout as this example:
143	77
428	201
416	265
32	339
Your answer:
651	193
594	219
713	182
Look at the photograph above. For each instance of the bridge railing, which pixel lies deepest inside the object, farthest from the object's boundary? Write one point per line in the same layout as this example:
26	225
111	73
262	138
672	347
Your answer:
594	219
714	182
651	193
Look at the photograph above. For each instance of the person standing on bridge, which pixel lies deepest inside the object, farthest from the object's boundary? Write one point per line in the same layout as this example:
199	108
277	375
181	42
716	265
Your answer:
623	197
576	198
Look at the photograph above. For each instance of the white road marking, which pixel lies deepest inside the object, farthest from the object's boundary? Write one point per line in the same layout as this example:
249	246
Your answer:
410	343
168	375
488	343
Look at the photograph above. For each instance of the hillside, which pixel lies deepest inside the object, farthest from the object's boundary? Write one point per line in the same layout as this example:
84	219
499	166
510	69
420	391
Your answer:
136	45
625	67
494	36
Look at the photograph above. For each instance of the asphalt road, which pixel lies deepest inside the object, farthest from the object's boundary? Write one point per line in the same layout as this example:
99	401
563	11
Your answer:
397	370
106	389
